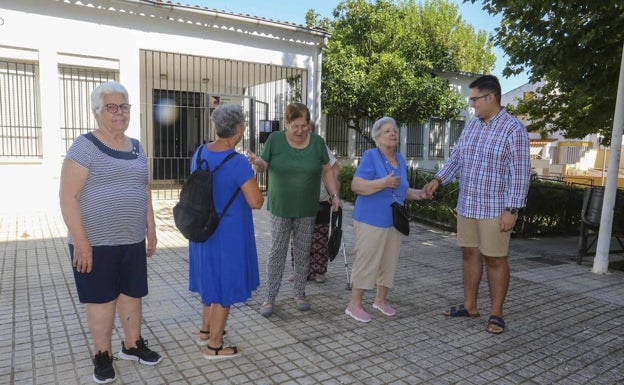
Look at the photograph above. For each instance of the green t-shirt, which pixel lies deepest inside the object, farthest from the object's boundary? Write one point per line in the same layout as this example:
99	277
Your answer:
294	175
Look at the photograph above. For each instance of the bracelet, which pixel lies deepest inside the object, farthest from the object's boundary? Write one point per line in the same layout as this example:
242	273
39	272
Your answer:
334	196
438	179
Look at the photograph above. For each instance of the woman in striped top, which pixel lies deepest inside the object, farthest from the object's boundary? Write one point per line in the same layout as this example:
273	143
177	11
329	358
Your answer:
107	208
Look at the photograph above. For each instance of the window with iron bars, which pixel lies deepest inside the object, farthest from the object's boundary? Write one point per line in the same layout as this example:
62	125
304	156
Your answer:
457	126
415	143
75	87
20	120
337	136
361	143
436	138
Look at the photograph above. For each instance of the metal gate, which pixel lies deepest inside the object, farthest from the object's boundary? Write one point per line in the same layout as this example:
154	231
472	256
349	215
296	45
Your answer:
179	93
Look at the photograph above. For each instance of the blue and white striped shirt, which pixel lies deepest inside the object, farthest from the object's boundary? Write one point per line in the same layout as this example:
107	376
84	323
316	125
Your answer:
493	162
113	201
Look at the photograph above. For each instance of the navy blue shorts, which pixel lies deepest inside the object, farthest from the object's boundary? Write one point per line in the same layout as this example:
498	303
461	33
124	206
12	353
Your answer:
116	270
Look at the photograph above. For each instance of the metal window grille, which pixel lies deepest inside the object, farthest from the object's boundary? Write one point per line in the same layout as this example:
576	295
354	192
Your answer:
415	140
436	138
20	120
179	93
457	126
337	136
361	143
75	86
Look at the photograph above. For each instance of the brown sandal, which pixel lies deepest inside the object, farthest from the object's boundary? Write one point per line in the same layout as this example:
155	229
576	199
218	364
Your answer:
217	356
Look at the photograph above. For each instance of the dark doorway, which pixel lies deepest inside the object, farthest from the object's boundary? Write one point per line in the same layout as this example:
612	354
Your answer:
177	117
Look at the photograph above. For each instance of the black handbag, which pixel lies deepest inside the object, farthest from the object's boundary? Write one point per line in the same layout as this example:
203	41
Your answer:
400	218
335	234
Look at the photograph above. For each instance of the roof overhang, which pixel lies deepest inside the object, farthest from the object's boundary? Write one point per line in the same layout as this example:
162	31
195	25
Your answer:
210	18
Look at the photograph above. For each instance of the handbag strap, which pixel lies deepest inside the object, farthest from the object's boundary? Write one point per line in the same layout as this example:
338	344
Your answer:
388	171
336	218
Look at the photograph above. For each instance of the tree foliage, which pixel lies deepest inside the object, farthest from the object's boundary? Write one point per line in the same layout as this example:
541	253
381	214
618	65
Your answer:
576	48
384	56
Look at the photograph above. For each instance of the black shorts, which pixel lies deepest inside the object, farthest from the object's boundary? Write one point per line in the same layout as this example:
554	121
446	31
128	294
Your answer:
116	270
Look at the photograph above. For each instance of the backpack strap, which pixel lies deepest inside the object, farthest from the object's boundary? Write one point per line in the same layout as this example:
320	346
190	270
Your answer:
230	156
199	160
229	202
227	206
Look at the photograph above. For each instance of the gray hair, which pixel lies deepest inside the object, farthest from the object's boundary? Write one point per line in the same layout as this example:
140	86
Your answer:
227	117
376	130
98	93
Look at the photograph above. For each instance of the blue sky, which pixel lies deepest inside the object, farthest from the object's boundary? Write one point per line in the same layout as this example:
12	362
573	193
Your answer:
294	12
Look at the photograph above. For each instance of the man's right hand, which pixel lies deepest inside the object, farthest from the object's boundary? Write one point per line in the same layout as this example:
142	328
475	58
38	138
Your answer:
431	187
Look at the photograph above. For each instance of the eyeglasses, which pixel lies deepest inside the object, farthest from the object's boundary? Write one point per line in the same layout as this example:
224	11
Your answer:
113	108
303	127
475	98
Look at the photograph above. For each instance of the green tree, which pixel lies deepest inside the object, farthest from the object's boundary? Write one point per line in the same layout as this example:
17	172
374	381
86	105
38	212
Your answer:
575	47
384	58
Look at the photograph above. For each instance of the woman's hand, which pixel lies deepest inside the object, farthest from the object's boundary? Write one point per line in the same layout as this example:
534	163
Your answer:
151	241
83	256
391	181
416	195
251	157
336	203
257	163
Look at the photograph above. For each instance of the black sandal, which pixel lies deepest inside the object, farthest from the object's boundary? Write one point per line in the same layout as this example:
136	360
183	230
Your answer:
496	325
208	332
217	356
204	342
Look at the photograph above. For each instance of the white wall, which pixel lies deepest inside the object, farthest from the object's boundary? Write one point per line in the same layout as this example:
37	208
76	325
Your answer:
110	34
460	82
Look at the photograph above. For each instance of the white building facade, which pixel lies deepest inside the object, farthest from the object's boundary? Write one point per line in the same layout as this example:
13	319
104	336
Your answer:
178	62
425	145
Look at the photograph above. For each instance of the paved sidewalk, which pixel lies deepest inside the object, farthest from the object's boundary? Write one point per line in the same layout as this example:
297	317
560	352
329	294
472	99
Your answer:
565	324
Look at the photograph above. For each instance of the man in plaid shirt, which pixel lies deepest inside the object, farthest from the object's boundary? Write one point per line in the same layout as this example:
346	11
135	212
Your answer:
492	160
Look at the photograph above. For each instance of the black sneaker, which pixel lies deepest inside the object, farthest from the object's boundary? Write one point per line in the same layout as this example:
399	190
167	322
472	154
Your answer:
104	371
140	353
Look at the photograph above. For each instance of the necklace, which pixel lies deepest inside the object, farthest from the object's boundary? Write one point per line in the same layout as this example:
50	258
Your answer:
391	160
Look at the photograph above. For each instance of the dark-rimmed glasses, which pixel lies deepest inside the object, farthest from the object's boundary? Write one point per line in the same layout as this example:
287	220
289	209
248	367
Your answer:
113	108
475	98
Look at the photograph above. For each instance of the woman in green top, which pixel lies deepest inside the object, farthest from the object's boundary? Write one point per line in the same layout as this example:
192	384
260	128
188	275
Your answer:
296	159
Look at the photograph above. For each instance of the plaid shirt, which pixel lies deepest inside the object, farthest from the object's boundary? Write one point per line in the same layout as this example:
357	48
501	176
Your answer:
492	160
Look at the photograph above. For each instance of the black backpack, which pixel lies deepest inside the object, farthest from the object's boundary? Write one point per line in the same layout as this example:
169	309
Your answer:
195	214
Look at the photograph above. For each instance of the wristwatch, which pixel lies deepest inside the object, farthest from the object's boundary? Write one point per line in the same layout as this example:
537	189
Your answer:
512	210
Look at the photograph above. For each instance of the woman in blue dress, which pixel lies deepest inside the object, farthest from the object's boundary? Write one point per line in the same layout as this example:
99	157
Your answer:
224	269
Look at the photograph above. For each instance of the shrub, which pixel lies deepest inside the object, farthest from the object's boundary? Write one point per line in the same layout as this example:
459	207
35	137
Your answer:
553	208
346	176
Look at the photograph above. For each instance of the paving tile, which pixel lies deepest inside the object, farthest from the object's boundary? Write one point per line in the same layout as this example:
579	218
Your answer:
564	322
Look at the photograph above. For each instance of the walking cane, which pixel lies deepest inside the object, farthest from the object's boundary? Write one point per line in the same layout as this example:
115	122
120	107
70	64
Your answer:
344	253
335	241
